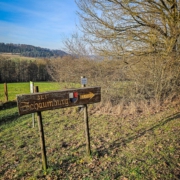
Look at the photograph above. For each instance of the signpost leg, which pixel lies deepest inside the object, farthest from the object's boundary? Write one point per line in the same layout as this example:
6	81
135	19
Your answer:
42	139
43	147
86	120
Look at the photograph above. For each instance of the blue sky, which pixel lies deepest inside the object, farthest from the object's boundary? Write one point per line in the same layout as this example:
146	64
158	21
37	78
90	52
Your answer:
44	23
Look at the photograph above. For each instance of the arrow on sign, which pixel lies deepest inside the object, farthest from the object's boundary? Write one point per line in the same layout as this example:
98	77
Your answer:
87	96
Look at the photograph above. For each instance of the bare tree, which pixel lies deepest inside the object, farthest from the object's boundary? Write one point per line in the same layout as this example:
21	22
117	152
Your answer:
118	27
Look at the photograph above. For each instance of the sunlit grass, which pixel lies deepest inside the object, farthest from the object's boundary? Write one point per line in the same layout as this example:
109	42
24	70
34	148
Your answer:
24	88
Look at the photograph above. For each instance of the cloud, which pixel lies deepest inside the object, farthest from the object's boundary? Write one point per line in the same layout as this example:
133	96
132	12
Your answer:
45	10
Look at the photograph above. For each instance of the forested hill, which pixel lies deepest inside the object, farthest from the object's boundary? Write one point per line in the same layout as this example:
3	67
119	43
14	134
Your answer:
29	50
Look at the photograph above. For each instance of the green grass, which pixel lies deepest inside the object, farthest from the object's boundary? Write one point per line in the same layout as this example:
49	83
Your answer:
141	148
24	88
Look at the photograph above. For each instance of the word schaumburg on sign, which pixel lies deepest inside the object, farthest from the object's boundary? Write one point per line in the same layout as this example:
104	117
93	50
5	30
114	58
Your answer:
29	103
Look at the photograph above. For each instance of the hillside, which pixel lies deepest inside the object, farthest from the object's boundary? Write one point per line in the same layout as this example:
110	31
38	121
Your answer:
124	149
29	50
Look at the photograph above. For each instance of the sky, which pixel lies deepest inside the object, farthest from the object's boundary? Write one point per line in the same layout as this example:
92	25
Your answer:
43	23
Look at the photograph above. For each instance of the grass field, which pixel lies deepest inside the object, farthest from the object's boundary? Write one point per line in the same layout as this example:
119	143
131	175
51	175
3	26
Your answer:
130	148
24	88
16	56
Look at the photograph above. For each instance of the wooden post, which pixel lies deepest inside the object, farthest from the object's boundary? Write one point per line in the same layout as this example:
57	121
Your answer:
5	92
86	120
42	139
33	114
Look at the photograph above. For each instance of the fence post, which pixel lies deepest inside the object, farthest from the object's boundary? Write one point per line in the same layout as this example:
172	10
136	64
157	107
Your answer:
33	114
6	92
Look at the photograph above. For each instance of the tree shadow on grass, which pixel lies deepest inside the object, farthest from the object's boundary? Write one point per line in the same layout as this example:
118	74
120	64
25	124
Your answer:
8	105
160	124
68	163
9	118
122	142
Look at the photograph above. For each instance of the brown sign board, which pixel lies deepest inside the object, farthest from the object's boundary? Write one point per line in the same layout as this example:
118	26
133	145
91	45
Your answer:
29	103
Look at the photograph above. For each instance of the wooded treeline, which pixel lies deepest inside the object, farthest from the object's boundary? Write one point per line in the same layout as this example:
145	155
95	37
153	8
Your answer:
29	51
23	70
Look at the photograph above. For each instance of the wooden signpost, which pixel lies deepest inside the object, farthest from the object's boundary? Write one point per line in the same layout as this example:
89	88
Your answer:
37	102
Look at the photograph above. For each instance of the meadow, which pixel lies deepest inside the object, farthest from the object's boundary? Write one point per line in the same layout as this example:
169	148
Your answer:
143	147
24	88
